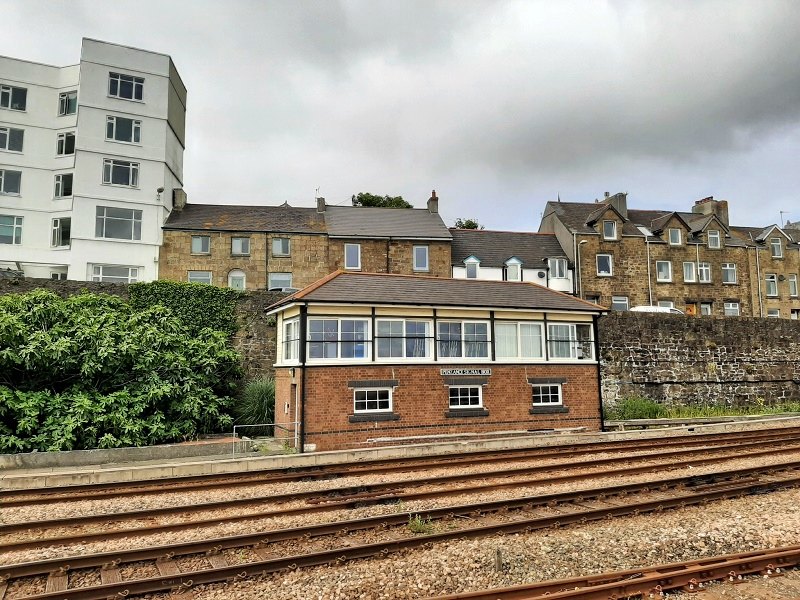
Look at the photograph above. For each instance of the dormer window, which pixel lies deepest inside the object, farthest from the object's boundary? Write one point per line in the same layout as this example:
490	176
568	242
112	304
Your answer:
513	271
713	238
775	246
674	237
609	230
472	265
557	267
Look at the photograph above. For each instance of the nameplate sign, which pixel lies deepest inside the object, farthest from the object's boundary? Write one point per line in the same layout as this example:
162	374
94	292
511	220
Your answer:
483	372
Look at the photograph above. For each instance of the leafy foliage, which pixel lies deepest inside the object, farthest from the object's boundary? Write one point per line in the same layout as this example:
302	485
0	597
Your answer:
197	305
468	224
366	199
90	371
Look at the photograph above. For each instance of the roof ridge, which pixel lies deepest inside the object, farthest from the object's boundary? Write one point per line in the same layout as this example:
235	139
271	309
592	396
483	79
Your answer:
313	286
500	231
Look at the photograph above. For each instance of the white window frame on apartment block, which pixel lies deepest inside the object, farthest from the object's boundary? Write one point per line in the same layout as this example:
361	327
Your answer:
792	285
112	130
364	396
577	348
690	269
675	237
7	100
57	237
462	400
512	270
67	103
9	135
704	272
620	301
464	341
98	274
385	339
204	277
540	391
116	82
728	271
65	143
201	244
771	285
527	338
714	239
776	248
663	271
5	180
290	342
731	309
112	167
106	214
348	256
60	187
609	230
324	341
558	268
13	225
610	271
421	258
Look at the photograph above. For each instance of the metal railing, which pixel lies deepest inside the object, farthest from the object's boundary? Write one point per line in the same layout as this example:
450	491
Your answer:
264	432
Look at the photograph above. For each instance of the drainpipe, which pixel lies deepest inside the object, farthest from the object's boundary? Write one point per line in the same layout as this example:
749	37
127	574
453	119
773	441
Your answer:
303	347
649	276
595	328
758	277
579	269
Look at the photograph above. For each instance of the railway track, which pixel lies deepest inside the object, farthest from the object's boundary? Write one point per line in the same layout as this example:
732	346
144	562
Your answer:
23	497
648	582
182	566
88	527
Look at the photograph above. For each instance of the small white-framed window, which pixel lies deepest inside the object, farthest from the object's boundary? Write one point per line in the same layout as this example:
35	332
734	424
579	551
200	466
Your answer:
558	268
279	281
663	270
675	237
120	172
403	338
713	238
201	244
729	273
518	339
513	270
63	185
689	272
773	313
13	98
666	303
11	139
421	258
570	340
352	256
65	143
706	309
462	339
237	280
704	272
122	129
731	309
605	265
115	273
10	182
118	223
472	266
199	277
334	338
60	232
771	280
281	247
291	340
609	230
67	103
372	400
240	246
546	394
619	303
125	87
793	284
466	396
776	247
10	229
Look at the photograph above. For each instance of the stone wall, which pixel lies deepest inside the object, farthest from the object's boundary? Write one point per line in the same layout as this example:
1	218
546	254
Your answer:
678	359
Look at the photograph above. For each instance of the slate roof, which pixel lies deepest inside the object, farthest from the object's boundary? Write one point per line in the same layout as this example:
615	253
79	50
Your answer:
494	248
369	222
380	288
227	217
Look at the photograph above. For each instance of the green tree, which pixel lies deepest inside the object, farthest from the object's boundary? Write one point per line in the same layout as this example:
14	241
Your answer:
366	199
468	224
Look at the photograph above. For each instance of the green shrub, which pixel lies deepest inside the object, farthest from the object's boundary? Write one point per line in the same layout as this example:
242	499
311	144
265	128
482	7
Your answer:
643	408
256	404
636	407
90	371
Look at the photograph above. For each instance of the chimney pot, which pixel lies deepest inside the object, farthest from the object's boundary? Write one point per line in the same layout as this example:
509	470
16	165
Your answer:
607	194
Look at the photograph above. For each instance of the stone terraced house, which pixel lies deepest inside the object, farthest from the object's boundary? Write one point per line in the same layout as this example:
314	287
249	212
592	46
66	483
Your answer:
694	261
386	359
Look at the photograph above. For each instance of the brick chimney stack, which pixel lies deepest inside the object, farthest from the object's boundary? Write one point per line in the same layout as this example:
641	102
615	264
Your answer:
179	199
433	203
709	206
320	205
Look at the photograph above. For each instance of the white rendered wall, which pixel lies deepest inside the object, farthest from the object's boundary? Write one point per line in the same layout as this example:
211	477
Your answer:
538	276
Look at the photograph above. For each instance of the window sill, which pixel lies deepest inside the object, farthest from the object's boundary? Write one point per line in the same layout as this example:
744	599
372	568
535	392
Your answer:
281	256
373	417
200	254
548	410
113	141
460	413
12	194
126	99
240	256
121	185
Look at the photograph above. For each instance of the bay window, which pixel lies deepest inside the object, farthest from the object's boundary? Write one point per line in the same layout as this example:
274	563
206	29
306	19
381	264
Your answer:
462	339
570	340
337	338
518	340
403	338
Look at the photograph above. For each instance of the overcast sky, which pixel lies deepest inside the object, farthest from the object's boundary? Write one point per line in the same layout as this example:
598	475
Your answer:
499	106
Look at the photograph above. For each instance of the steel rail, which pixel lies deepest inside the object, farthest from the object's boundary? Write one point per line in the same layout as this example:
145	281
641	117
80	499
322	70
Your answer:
353	501
185	581
646	580
27	496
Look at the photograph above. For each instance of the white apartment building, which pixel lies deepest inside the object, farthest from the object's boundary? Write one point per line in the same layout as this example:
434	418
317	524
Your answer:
91	158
